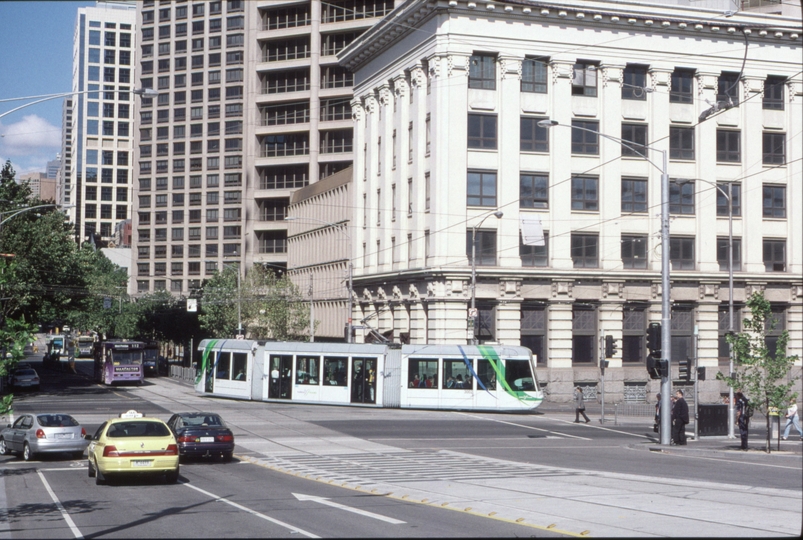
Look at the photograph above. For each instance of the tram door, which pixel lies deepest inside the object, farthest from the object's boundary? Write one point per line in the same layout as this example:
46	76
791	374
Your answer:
281	377
363	380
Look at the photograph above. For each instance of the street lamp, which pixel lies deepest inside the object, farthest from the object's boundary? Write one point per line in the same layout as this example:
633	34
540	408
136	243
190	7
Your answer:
666	314
15	213
498	214
144	92
342	228
729	197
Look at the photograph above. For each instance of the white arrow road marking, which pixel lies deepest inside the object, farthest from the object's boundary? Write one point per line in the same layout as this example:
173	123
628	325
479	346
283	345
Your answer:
293	528
327	502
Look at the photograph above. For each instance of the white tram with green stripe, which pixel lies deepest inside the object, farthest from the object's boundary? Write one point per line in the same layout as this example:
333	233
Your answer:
460	377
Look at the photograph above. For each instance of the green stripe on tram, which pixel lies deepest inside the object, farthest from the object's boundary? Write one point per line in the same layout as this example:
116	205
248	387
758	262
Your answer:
205	360
489	353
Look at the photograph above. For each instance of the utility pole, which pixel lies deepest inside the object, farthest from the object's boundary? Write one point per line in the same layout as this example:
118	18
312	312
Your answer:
311	313
351	304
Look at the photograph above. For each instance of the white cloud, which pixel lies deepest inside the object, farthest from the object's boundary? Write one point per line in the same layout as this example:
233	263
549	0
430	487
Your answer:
29	143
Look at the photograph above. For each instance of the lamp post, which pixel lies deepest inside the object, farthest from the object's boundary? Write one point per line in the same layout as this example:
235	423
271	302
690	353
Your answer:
728	197
666	314
340	228
498	214
15	213
145	92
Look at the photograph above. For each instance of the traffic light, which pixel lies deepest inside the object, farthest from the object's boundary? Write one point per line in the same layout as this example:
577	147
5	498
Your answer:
610	347
654	339
685	372
700	373
654	367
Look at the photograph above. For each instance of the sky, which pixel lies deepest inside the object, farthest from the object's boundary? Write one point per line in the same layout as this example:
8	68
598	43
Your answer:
36	43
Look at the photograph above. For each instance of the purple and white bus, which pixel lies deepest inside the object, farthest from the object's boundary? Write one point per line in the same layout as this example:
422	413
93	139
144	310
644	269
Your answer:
119	361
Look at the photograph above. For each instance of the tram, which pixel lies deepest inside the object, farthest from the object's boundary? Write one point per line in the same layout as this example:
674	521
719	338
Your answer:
451	377
118	361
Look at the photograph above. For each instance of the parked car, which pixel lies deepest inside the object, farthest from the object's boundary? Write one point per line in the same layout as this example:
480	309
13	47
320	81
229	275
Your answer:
25	378
132	445
45	433
202	434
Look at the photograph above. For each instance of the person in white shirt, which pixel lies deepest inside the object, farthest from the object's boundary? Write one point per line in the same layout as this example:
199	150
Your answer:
792	420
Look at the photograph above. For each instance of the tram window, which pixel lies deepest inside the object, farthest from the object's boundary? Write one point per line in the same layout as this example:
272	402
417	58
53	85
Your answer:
456	375
239	366
486	374
222	365
335	371
308	369
423	373
518	375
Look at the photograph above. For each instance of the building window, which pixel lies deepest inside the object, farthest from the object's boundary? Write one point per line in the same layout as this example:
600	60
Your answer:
534	75
584	79
533	190
681	143
533	138
485	330
482	72
634	82
635	135
634	327
775	325
584	331
774	201
729	146
723	352
634	251
735	199
774	148
722	254
728	88
585	250
634	195
482	131
585	193
682	332
682	86
534	256
773	93
533	331
481	188
681	253
774	255
681	197
585	137
486	247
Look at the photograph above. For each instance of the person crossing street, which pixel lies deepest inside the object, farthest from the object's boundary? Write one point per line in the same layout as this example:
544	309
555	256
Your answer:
579	406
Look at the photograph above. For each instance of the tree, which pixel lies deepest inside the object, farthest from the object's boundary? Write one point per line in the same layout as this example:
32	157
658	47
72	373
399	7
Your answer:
219	300
15	334
763	376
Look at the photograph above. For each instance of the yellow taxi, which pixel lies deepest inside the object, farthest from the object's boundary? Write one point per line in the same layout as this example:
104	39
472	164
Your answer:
131	445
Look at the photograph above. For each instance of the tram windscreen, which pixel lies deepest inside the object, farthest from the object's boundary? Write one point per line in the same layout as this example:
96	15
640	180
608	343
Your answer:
519	376
150	354
127	357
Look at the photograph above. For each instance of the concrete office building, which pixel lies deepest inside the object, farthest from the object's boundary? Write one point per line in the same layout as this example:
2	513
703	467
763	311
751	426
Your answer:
98	147
252	106
63	185
447	102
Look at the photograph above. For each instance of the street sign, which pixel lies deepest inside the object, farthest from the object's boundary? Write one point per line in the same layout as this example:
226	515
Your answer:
192	304
107	303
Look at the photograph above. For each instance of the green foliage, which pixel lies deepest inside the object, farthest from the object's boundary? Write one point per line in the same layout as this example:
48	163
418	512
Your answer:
764	378
15	334
164	317
271	307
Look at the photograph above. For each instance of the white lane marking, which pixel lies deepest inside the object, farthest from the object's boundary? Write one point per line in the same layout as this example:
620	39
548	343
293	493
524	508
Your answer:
671	454
525	427
292	528
64	513
591	425
327	502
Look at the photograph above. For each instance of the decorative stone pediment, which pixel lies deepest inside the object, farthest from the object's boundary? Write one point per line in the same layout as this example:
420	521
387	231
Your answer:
510	288
613	288
357	111
367	296
562	288
708	290
413	292
417	77
396	291
381	295
385	95
400	86
370	103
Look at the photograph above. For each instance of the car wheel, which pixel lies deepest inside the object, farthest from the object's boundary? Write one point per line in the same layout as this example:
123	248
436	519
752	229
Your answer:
172	477
227	456
27	453
4	451
99	478
90	470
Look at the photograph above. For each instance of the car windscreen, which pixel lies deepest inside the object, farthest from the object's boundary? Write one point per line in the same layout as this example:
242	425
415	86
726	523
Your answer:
56	420
138	429
202	421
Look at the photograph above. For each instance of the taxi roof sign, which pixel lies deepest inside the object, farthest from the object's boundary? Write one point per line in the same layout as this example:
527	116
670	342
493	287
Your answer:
131	414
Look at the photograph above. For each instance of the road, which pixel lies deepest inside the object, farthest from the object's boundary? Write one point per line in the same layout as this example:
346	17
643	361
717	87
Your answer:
364	472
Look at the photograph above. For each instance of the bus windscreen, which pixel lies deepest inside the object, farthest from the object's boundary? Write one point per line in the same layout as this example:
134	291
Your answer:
127	357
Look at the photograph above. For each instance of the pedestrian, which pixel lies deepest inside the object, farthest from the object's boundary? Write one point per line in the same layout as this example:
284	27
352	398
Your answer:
742	417
657	423
680	417
579	406
792	420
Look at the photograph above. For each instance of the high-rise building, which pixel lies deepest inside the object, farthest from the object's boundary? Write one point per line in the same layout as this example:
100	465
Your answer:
63	183
252	106
98	120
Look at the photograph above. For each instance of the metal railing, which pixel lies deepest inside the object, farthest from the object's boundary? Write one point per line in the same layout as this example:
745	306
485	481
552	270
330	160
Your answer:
633	409
186	374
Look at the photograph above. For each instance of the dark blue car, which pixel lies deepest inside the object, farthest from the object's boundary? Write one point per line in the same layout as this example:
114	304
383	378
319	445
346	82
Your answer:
202	434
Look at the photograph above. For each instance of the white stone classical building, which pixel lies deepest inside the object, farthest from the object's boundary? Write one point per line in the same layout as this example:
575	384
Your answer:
447	100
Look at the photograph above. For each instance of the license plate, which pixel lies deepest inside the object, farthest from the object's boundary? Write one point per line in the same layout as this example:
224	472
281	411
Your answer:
64	435
141	463
207	439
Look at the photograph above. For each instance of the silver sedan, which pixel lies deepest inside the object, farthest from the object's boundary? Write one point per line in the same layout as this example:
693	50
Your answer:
33	434
25	378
